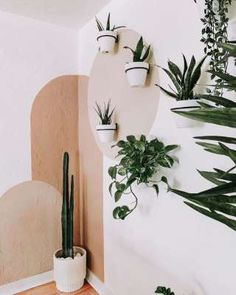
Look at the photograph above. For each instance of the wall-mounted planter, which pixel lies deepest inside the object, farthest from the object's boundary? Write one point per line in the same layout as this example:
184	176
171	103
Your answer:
184	105
69	274
137	73
106	41
106	133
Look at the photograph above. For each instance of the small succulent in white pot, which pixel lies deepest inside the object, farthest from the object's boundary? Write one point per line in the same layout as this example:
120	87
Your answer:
69	261
106	129
184	81
107	35
137	69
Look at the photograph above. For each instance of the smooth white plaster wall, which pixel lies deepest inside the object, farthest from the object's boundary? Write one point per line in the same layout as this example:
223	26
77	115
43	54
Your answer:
31	54
164	242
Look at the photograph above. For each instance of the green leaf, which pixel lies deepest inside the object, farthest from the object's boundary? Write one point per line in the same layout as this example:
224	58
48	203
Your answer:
168	92
219	116
122	171
211	176
169	148
108	22
155	186
218	138
118	195
221	218
131	138
112	171
219	100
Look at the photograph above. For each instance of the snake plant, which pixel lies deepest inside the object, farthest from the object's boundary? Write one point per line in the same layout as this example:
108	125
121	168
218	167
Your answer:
108	26
67	212
219	201
141	52
104	113
184	81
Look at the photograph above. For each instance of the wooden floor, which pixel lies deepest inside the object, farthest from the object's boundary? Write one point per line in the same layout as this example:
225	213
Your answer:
50	289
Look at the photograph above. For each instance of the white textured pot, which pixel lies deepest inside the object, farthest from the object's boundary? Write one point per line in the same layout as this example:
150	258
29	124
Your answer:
184	105
69	274
106	132
137	73
106	41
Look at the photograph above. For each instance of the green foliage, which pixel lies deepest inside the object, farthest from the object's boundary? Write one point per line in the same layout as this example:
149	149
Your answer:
184	80
139	161
218	202
108	26
104	113
141	52
164	291
67	212
215	23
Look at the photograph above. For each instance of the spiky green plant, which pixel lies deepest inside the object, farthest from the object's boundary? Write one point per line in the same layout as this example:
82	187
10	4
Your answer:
104	113
184	81
141	52
108	26
164	291
218	202
67	212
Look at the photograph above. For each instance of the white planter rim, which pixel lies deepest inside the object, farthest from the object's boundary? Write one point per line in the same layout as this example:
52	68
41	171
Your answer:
110	34
136	65
77	249
106	127
186	104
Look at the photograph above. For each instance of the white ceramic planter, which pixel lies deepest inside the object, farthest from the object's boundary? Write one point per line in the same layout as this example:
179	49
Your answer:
69	274
106	41
184	105
106	132
136	73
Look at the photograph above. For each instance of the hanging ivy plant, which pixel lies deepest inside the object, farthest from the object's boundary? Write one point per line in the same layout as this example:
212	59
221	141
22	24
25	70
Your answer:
215	24
140	159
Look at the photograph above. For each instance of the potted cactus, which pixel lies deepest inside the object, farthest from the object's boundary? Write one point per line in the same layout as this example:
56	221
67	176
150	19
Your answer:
70	260
137	69
106	130
107	35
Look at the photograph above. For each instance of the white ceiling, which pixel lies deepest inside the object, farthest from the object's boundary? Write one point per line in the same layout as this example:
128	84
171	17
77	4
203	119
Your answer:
68	13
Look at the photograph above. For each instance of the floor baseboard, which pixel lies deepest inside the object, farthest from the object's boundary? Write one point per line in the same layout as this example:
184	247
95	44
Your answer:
25	284
44	278
98	285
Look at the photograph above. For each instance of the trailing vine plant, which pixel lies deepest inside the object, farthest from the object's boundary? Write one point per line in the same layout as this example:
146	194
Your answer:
140	159
215	24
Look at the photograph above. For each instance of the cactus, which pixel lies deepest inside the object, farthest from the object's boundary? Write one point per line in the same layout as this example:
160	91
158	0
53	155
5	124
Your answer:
67	212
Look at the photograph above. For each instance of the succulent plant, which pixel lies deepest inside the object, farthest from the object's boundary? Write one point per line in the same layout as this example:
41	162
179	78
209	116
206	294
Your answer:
108	27
104	113
141	52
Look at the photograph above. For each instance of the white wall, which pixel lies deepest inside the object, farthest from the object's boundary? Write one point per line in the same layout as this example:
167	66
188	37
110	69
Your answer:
31	54
164	241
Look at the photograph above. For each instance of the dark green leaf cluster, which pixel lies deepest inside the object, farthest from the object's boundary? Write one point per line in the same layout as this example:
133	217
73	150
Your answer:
219	202
164	291
104	113
108	26
141	52
183	81
67	212
215	23
140	159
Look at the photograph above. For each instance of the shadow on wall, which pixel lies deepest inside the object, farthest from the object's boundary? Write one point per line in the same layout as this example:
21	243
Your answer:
29	230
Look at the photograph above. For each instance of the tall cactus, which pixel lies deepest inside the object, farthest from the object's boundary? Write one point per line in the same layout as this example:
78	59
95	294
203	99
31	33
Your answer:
67	212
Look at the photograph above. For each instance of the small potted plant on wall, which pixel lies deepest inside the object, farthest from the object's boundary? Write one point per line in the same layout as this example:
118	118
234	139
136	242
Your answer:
107	36
70	260
184	83
137	69
106	130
